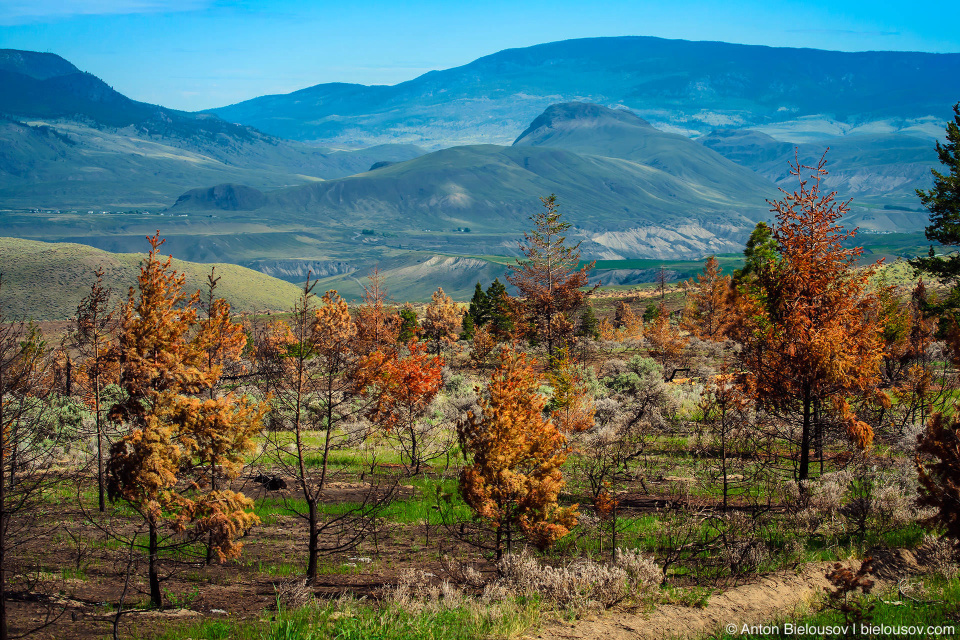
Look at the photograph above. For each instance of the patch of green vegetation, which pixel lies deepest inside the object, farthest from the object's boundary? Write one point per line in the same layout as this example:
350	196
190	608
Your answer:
348	619
46	281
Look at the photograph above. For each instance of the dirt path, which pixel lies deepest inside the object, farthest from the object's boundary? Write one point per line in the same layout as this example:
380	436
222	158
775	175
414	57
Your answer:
764	601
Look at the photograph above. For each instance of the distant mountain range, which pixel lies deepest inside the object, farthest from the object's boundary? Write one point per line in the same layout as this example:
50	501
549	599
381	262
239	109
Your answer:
689	87
661	149
631	189
69	140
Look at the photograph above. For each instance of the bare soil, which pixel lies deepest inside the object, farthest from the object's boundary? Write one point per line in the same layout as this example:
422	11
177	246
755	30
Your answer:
763	601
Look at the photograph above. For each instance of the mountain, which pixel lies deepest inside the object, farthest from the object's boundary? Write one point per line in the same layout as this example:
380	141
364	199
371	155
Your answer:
46	281
618	133
630	189
885	168
69	140
691	87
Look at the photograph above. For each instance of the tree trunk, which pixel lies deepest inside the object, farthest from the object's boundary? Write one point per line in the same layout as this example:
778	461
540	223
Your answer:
804	470
723	461
818	434
156	598
314	545
96	403
3	530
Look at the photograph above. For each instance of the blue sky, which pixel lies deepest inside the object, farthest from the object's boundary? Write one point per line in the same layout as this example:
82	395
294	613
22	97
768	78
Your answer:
196	54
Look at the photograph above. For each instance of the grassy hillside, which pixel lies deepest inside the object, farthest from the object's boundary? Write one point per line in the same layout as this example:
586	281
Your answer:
62	164
46	281
622	208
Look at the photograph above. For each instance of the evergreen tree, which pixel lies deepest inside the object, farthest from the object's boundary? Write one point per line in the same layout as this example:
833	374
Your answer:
809	325
589	324
467	327
515	477
761	248
498	308
651	313
943	202
479	307
549	277
409	326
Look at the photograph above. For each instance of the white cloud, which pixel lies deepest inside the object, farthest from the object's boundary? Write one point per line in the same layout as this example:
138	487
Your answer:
23	11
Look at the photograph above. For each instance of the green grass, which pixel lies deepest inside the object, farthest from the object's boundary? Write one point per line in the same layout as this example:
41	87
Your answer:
355	620
46	281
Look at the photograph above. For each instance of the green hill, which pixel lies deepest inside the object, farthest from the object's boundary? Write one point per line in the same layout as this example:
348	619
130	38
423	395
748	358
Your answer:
46	281
632	191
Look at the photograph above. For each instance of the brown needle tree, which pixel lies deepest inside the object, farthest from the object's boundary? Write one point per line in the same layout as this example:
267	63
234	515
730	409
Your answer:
807	322
514	477
548	278
442	321
311	368
172	434
708	311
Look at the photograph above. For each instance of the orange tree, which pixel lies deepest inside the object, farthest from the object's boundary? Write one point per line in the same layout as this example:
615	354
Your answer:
807	322
402	389
442	321
549	279
171	433
514	478
311	368
708	312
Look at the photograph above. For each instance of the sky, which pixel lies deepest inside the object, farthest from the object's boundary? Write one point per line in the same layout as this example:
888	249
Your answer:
199	54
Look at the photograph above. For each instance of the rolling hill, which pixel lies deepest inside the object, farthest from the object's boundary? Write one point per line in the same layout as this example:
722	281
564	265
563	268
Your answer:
69	140
632	191
46	281
692	87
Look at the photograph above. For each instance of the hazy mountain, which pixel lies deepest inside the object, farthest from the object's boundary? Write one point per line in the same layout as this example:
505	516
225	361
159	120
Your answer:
630	189
68	140
618	133
887	165
693	86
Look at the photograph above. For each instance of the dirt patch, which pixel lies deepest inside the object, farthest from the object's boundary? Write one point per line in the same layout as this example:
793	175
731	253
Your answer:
762	601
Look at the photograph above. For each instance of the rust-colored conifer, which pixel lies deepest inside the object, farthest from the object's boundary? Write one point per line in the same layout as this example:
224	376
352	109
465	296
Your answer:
514	477
808	322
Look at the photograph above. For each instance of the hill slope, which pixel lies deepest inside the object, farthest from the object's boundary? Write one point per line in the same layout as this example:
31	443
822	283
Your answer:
695	86
648	194
864	165
46	281
69	140
617	133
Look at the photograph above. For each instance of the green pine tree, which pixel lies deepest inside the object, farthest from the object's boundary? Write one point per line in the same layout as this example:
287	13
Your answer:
467	327
498	310
651	313
409	326
589	324
761	248
943	202
479	309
